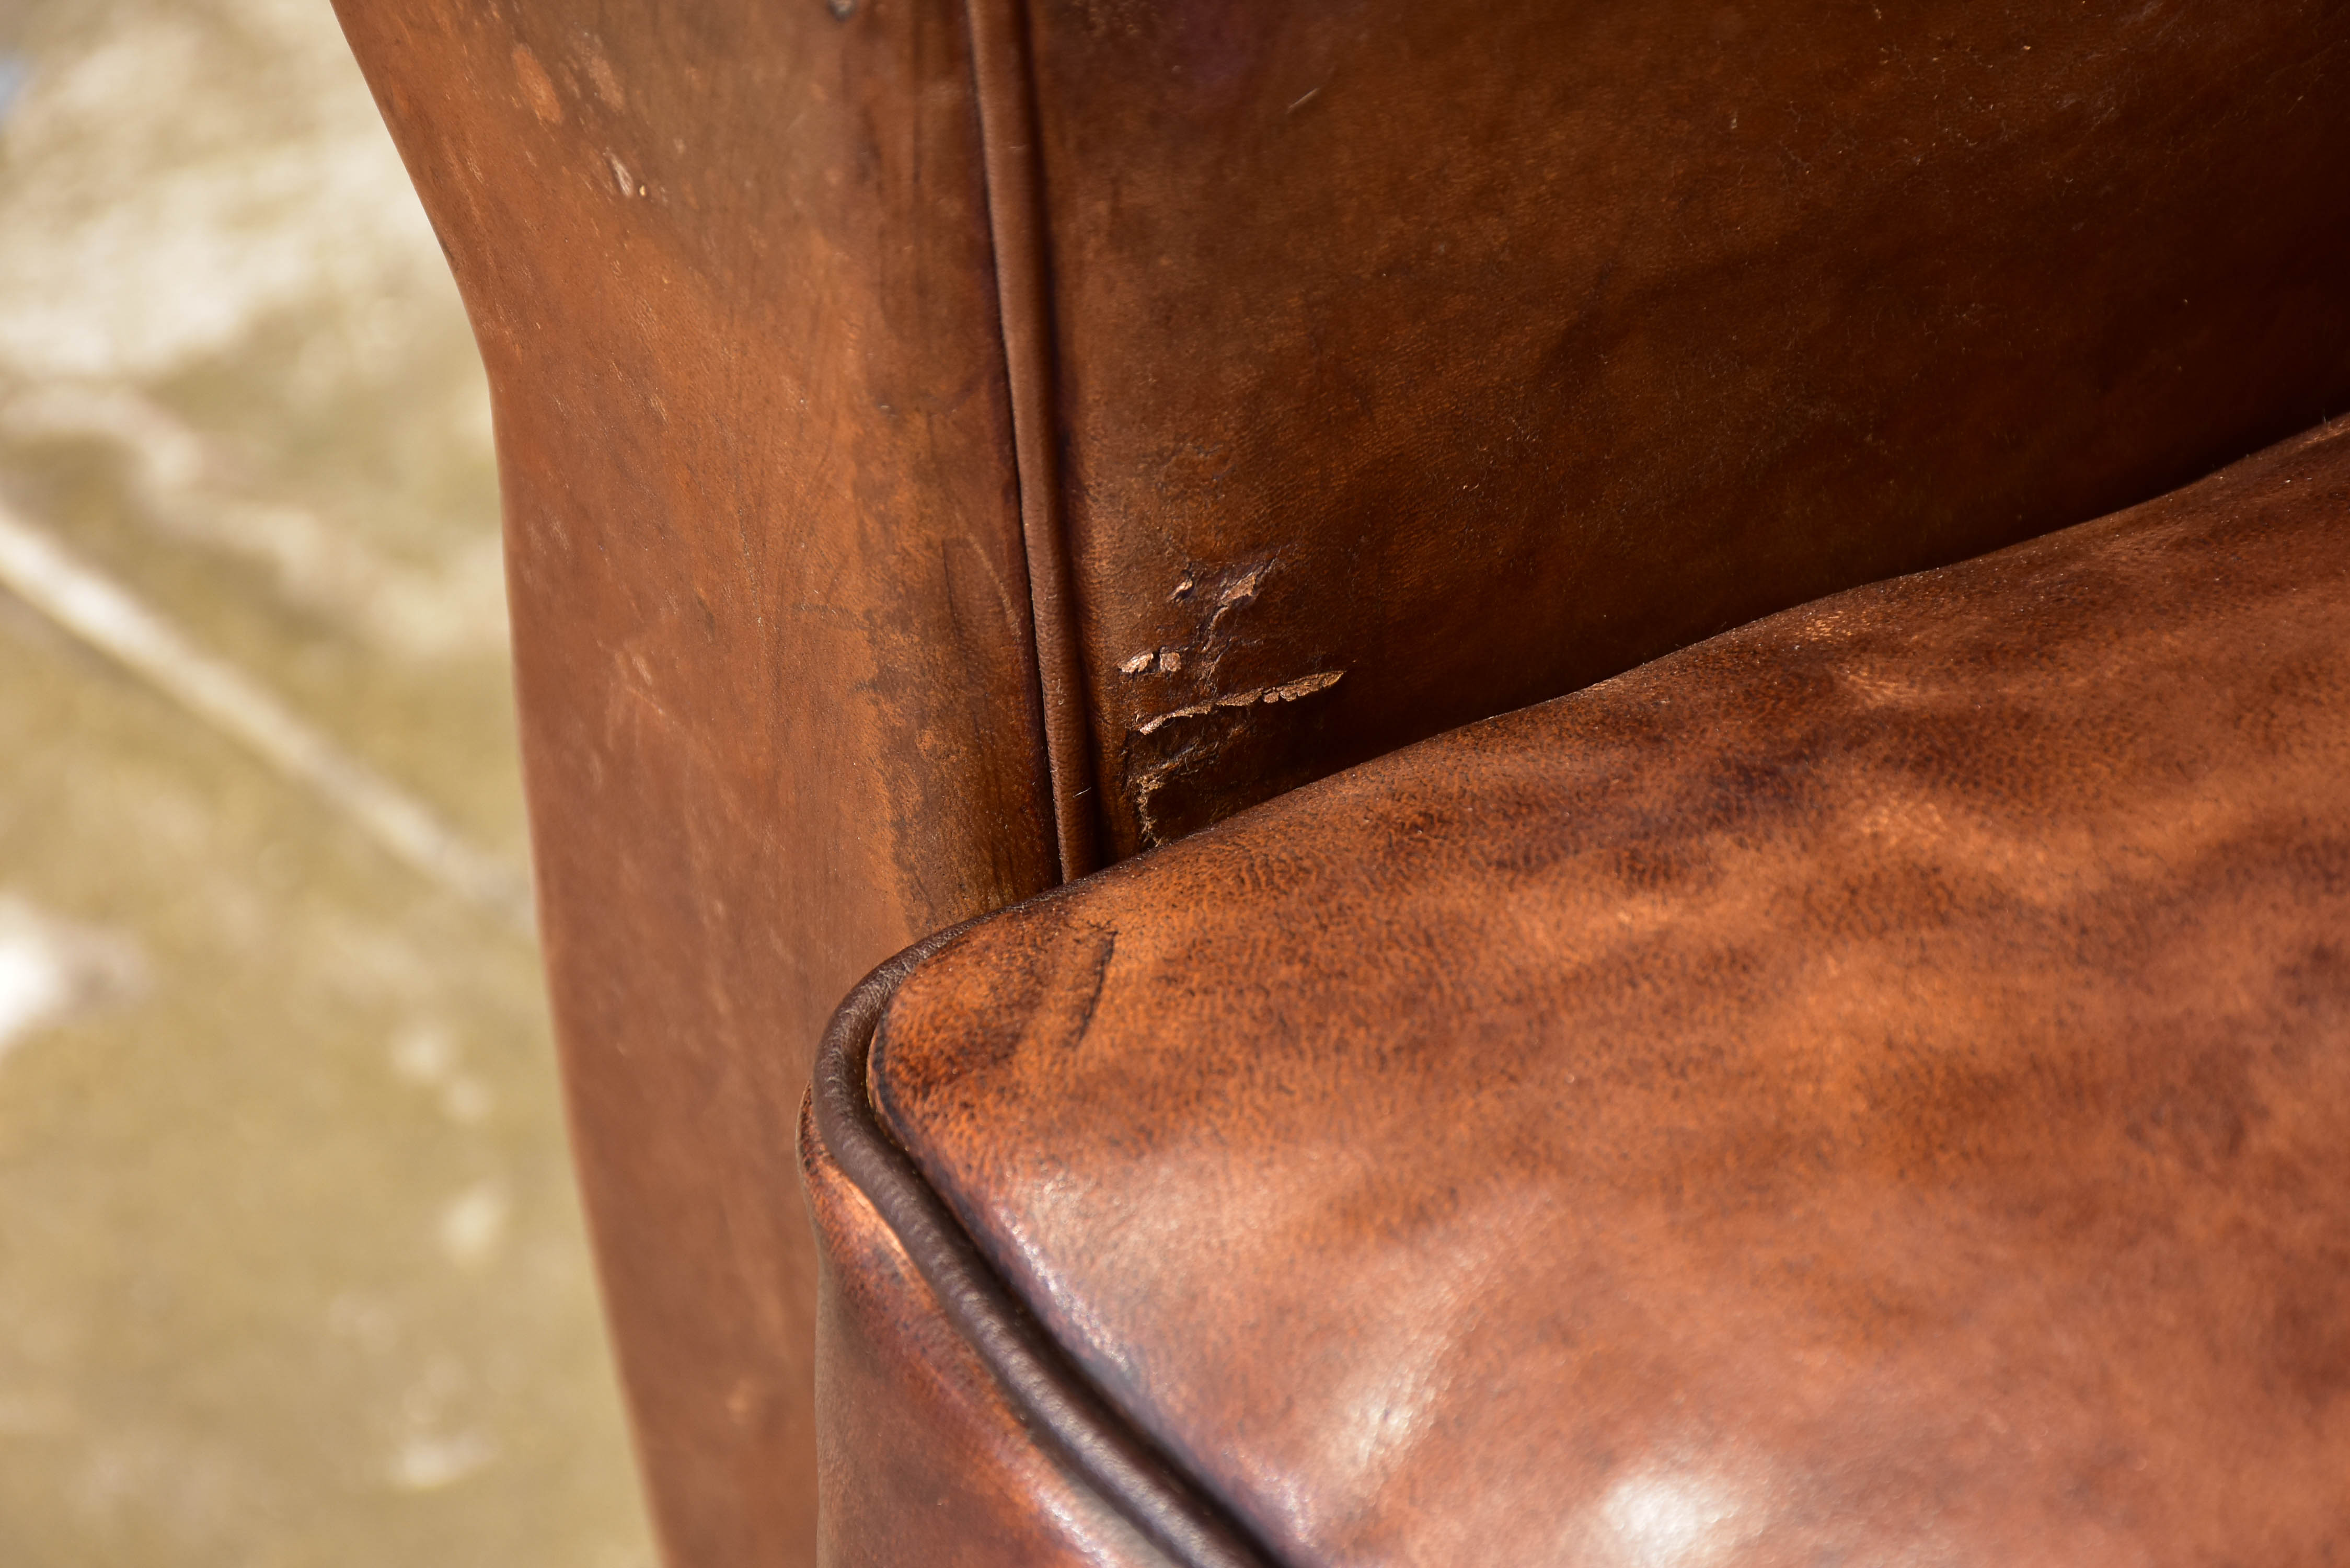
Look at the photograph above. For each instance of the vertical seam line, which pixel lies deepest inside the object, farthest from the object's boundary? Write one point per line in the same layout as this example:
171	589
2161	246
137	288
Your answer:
1012	166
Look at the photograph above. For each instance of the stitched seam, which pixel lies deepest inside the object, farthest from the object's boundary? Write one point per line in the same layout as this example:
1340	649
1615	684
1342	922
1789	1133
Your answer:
1012	167
1059	1405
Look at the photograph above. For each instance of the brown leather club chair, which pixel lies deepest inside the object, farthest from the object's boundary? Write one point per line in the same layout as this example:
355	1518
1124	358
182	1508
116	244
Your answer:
1871	1086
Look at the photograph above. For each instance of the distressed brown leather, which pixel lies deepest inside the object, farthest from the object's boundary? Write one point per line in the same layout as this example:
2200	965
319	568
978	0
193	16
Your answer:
954	1480
728	263
879	381
1481	351
1873	1086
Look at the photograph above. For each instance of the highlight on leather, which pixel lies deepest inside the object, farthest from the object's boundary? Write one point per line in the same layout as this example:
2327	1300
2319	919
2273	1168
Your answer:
1873	1084
1068	1415
947	444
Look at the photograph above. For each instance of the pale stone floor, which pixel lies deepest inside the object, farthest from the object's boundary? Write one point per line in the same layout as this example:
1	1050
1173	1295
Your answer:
291	1265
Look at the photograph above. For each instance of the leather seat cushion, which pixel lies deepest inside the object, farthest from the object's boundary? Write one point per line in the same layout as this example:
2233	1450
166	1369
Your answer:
1872	1086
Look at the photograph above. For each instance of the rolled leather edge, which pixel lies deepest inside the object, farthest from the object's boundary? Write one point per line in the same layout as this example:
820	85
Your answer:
1070	1420
927	1463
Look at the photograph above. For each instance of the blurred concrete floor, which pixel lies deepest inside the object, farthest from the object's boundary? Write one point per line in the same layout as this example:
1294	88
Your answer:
291	1267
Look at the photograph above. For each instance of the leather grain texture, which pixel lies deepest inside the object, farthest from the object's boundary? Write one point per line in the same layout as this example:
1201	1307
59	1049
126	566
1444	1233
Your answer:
1873	1086
1418	362
931	1464
948	444
1065	1423
729	267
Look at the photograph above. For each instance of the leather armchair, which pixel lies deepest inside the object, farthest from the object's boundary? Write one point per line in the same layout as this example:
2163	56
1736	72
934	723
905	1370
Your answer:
1852	1081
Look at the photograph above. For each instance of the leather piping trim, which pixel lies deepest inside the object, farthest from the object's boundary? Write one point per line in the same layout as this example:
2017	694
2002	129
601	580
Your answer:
1073	1421
1015	215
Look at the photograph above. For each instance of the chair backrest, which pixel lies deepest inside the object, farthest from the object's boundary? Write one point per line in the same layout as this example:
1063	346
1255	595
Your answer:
1495	350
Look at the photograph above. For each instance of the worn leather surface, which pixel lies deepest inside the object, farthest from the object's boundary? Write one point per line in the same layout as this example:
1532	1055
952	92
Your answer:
930	1465
728	263
1873	1086
1468	353
879	381
1064	1422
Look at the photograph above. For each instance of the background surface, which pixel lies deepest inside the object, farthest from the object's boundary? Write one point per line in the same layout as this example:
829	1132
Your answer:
291	1268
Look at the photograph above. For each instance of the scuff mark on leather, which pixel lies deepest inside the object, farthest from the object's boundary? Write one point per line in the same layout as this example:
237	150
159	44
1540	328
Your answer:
1206	715
1144	786
1305	686
1153	726
1106	950
1287	692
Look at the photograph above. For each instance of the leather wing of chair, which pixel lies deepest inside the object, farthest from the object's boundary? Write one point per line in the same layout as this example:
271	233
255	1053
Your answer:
951	446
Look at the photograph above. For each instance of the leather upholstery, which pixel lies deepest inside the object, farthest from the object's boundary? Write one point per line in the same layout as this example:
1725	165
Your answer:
948	445
1873	1086
953	1479
729	267
1480	352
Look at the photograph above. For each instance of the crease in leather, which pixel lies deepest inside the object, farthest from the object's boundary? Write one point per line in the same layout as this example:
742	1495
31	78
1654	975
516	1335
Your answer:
1101	1449
1012	168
